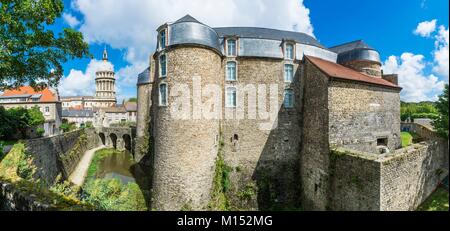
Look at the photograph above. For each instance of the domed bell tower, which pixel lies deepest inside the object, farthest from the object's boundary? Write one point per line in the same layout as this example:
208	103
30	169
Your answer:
105	80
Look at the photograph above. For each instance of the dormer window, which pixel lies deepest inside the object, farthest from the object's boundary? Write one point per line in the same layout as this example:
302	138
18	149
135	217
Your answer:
289	51
162	39
231	47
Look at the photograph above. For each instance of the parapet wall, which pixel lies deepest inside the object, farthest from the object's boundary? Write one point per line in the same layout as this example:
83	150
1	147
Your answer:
398	181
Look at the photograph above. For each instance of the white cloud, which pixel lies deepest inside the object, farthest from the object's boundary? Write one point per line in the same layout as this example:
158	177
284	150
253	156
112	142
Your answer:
441	52
131	24
71	20
81	83
416	85
425	28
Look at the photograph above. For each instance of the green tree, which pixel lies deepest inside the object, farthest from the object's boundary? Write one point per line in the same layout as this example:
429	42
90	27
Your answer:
30	52
441	122
132	99
35	117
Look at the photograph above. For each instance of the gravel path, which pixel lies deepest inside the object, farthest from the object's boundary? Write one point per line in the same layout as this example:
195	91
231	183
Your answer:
77	177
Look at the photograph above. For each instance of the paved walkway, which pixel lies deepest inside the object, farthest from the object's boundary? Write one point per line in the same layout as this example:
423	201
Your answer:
77	177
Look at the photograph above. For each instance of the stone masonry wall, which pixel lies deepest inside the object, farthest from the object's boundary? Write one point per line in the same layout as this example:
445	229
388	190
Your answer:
264	163
360	114
365	67
59	154
408	178
354	182
398	181
314	157
185	149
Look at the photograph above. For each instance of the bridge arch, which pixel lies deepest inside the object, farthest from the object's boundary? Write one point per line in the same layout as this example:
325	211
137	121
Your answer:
102	138
113	138
127	142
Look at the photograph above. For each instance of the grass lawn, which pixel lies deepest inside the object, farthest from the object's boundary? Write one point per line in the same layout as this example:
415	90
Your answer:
407	139
438	201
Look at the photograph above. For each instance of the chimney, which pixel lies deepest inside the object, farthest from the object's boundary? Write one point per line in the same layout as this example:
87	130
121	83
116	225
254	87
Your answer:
393	78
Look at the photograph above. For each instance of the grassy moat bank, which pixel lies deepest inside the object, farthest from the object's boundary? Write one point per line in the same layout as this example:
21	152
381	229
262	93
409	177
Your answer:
113	182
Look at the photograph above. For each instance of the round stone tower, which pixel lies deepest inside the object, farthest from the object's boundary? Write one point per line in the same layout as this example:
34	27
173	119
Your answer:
187	60
105	82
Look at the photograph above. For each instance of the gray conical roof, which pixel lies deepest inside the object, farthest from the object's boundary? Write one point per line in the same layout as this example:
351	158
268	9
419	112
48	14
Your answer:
187	18
358	44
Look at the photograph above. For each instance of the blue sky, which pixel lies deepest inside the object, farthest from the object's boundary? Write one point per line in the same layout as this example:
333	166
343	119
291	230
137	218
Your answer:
127	29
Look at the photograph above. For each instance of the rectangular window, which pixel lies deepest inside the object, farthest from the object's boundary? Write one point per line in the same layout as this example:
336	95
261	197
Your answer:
162	65
288	73
288	98
47	109
289	51
162	39
231	47
231	71
163	94
231	97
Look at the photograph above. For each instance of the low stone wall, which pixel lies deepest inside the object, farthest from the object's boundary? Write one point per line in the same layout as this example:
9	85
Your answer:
401	180
12	199
59	154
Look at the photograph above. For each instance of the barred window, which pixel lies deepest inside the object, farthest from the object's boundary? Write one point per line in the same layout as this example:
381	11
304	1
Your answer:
163	94
288	73
231	97
231	71
288	98
162	65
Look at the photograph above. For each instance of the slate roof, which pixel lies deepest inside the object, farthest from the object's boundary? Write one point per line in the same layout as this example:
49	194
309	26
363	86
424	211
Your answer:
187	18
358	44
265	33
77	113
338	71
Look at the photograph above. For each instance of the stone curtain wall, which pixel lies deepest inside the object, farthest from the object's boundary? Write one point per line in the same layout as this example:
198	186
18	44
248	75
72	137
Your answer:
314	158
265	163
354	182
359	114
398	181
59	154
408	178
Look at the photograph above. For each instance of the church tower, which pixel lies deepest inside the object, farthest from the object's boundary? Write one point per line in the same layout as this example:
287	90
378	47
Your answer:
105	82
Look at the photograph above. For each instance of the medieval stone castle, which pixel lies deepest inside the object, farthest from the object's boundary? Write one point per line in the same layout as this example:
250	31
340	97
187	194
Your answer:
331	143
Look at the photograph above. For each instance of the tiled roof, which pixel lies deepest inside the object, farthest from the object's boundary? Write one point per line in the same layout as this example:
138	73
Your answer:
338	71
131	106
47	94
187	18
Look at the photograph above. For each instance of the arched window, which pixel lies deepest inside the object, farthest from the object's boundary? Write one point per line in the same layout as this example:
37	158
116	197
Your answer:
288	98
231	47
231	71
162	66
163	94
231	97
289	51
288	73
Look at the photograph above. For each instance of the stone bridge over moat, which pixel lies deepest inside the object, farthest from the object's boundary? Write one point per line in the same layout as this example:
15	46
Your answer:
121	138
